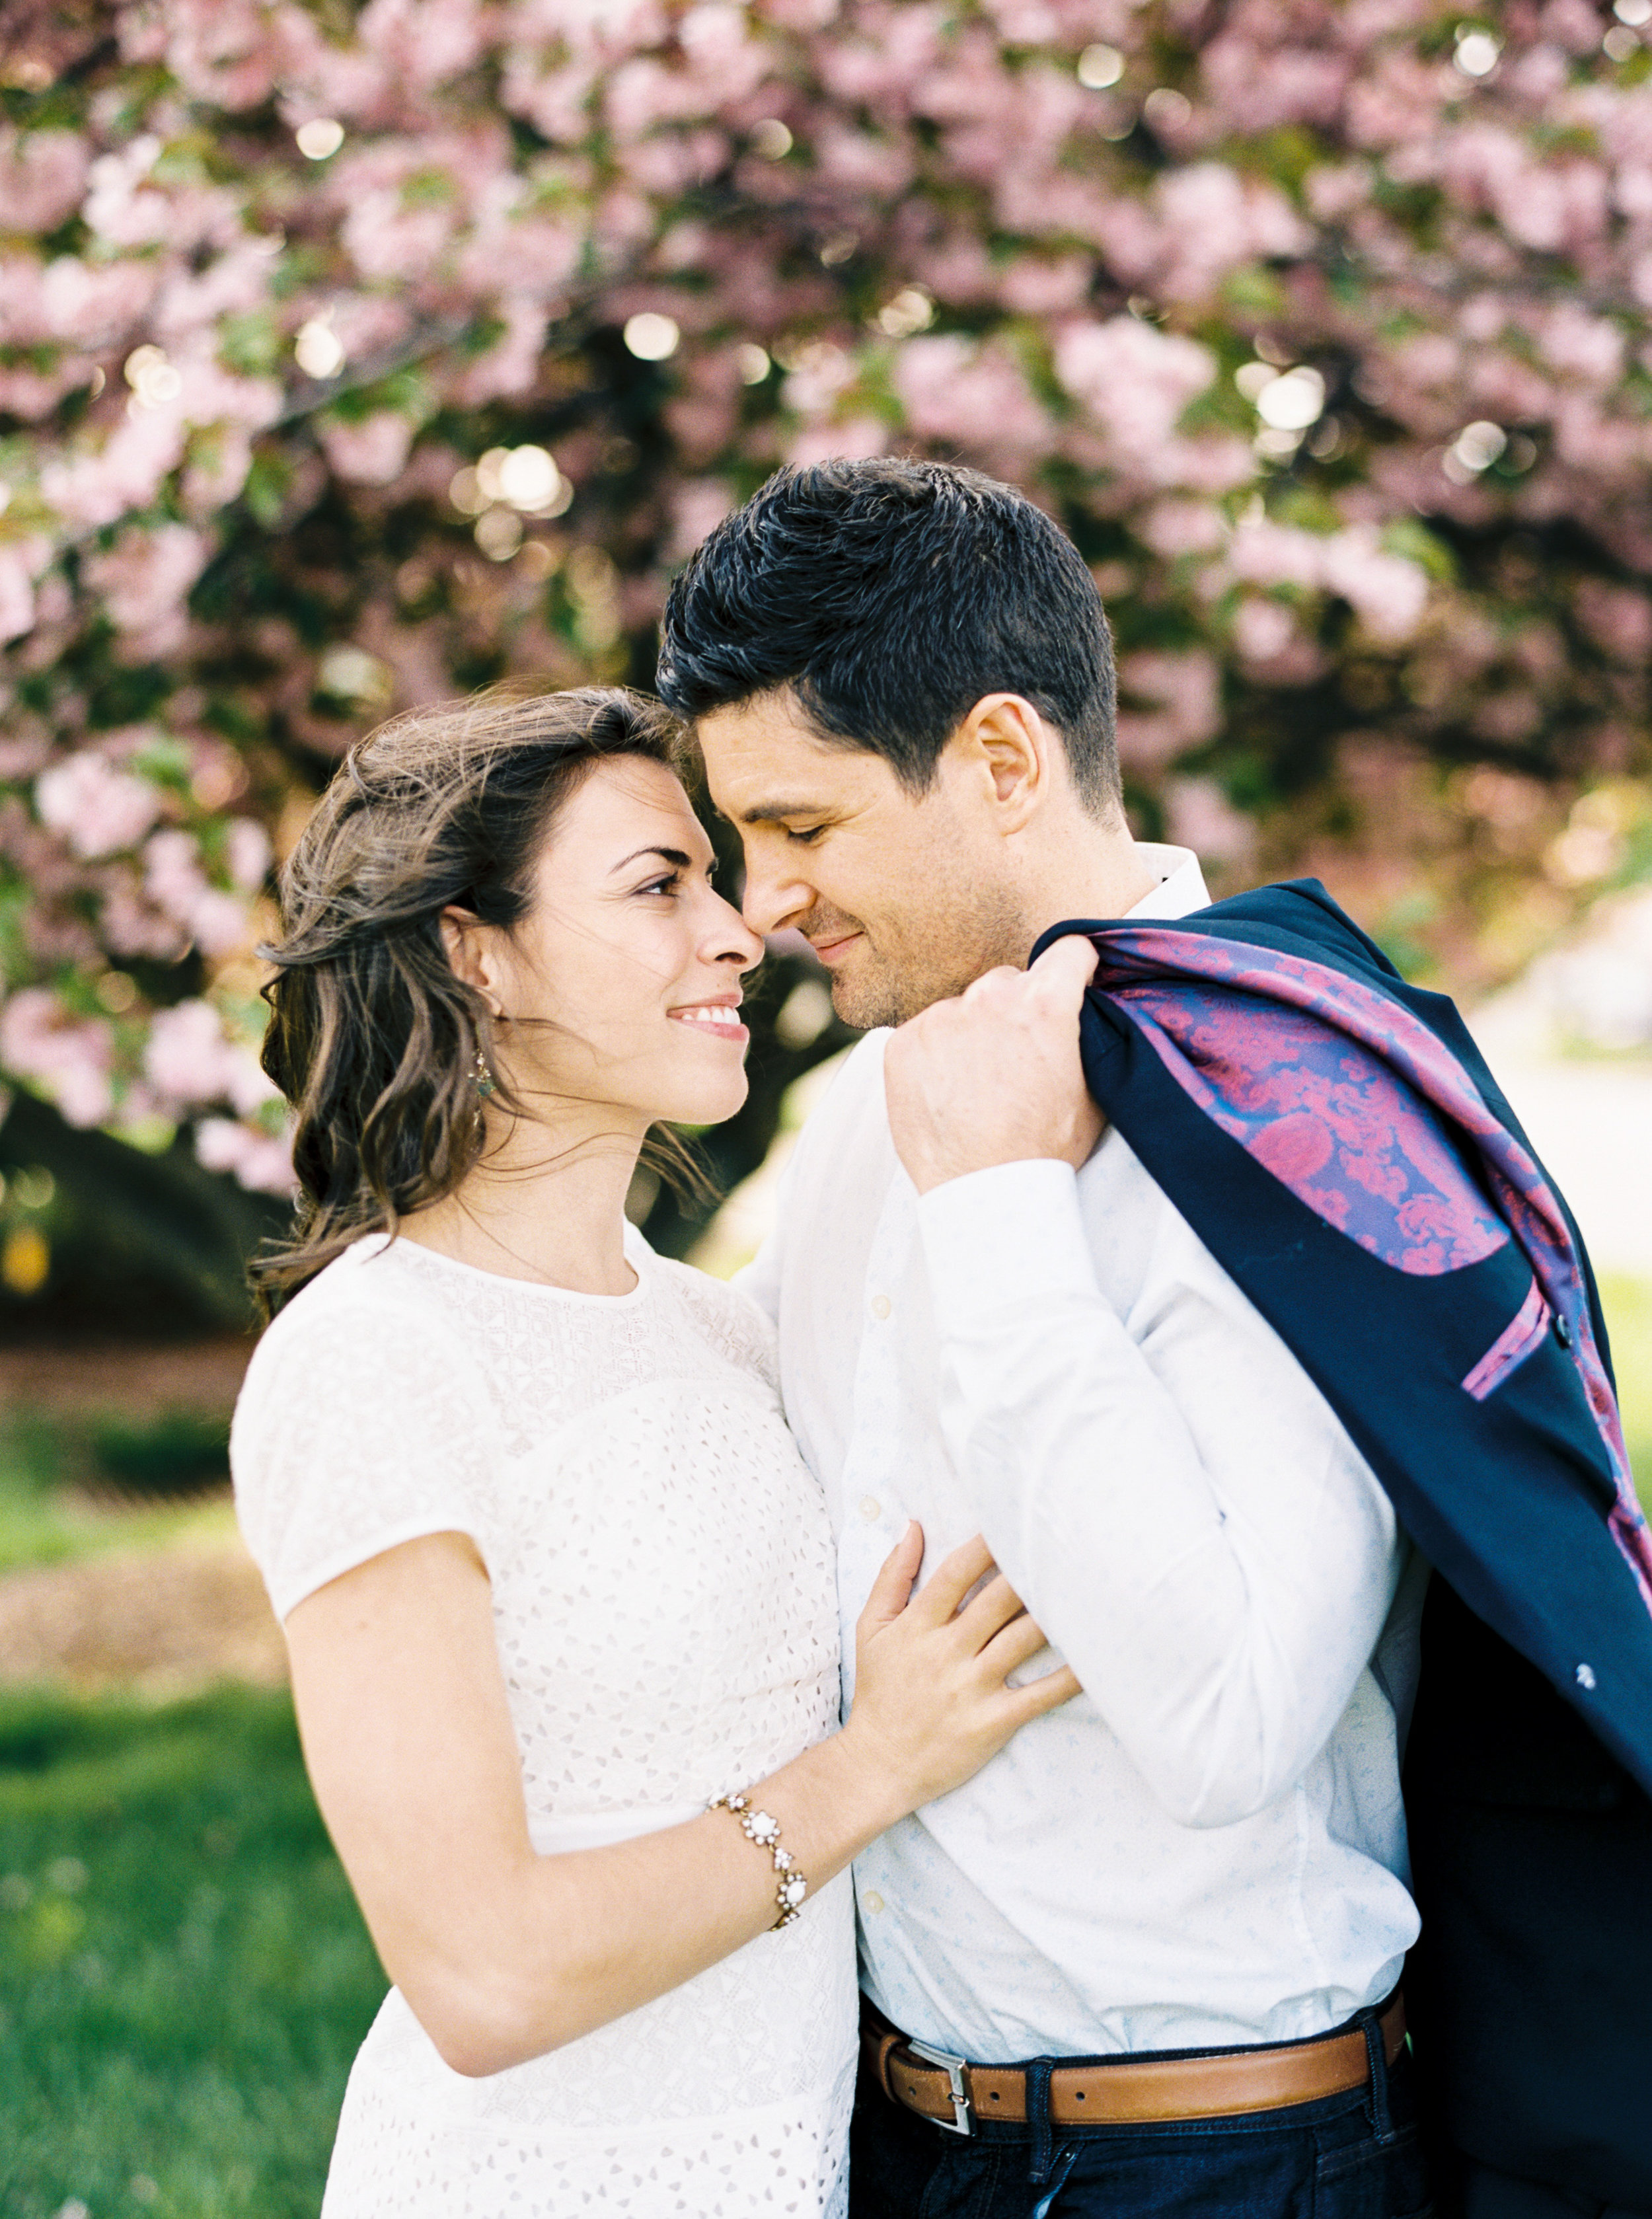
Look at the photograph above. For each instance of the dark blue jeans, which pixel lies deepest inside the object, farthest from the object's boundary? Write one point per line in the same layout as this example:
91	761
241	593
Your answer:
1346	2157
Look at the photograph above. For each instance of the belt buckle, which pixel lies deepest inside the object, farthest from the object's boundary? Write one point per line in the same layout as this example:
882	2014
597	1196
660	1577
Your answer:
953	2067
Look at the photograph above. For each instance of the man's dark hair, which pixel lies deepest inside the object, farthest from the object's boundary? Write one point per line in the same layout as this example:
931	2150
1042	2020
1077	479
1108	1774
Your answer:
890	596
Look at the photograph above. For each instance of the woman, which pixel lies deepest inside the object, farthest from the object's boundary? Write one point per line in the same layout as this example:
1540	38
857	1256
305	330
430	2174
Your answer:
553	1576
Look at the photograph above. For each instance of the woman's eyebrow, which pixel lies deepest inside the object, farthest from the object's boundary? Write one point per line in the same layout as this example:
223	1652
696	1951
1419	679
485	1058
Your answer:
675	856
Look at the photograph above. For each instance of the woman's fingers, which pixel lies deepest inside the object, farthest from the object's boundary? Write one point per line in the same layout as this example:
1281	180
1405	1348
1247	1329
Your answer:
938	1599
1048	1694
984	1614
893	1589
1021	1638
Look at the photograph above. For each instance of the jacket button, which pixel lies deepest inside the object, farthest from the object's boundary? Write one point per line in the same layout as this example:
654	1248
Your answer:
1562	1330
1585	1677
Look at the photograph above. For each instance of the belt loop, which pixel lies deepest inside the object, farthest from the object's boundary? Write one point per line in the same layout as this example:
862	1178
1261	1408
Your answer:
1377	2102
1039	2118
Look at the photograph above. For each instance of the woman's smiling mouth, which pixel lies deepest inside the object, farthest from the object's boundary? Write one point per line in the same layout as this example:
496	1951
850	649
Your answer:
718	1018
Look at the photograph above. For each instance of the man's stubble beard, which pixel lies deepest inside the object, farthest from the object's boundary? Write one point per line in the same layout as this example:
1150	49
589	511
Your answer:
974	933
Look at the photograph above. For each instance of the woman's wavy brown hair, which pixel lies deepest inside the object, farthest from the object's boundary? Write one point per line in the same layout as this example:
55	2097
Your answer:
372	1036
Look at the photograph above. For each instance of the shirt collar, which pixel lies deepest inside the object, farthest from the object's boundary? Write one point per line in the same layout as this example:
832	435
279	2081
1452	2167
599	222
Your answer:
1181	888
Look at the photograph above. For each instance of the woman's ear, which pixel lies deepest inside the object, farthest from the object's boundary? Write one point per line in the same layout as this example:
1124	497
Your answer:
471	953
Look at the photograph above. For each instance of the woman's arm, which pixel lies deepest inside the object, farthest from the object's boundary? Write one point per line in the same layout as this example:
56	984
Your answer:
503	1953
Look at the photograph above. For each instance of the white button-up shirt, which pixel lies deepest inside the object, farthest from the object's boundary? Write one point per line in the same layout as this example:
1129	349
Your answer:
1207	1846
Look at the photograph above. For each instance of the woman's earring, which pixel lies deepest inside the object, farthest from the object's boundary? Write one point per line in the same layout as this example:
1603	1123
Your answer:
484	1077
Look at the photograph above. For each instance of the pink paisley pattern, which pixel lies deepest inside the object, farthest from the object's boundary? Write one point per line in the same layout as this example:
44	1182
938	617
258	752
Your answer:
1359	1109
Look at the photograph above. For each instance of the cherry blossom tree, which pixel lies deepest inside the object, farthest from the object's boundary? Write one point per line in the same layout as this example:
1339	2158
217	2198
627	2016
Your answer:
353	356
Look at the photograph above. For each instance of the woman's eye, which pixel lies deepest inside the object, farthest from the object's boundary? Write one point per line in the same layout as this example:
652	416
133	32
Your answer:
668	884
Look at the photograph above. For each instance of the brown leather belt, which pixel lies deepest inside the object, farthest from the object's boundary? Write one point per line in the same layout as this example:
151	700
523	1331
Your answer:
1128	2090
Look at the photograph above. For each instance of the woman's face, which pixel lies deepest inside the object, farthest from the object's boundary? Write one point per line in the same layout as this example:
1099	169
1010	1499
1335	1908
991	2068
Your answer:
620	988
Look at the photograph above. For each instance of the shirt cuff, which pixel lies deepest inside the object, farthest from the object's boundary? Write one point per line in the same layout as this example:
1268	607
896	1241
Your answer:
1009	1238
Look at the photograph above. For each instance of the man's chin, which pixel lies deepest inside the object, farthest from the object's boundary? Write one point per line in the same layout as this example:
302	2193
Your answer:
865	999
867	995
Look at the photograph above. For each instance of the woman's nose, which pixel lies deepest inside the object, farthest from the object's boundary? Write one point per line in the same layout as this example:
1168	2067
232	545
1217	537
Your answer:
734	940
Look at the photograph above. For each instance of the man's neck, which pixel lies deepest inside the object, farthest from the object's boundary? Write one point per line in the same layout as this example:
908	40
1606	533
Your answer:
1098	871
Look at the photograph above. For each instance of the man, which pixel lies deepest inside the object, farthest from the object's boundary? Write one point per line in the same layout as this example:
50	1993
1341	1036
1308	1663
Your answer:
900	678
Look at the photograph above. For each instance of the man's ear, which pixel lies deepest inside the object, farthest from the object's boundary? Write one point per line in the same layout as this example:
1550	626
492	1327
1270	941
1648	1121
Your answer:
1011	743
472	953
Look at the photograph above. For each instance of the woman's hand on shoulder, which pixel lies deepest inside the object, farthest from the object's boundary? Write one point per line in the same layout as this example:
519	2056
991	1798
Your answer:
931	1702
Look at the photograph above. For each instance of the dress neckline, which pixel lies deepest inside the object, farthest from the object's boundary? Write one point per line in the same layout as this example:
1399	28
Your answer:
638	1255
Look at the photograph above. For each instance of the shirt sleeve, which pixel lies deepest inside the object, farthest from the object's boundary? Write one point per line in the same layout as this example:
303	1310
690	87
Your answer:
358	1428
1170	1494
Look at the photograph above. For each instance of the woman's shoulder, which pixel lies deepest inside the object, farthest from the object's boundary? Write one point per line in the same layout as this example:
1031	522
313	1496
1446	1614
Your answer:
368	1332
364	1294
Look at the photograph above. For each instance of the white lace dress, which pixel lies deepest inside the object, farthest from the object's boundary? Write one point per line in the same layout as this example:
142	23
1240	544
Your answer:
664	1601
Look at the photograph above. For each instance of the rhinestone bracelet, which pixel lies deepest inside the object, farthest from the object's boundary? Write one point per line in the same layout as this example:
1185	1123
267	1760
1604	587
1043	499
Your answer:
759	1828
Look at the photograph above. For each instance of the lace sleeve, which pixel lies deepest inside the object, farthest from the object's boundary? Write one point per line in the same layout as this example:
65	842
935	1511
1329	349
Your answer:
358	1427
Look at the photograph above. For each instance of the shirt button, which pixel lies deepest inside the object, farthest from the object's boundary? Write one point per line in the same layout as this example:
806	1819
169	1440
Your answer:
871	1508
872	1902
880	1306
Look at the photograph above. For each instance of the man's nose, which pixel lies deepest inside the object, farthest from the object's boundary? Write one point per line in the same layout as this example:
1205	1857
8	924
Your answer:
772	897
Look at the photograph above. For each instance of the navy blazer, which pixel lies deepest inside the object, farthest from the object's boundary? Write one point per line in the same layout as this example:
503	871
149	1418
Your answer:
1336	1139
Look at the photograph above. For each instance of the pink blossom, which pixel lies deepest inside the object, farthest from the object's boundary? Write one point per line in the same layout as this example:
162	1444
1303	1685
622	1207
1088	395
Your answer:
91	305
700	505
1258	92
144	582
1204	818
387	238
258	1159
822	372
1213	220
247	853
1388	592
953	390
853	440
1262	630
858	163
1037	288
1186	688
19	561
68	1058
232	53
510	364
1269	554
1133	380
425	43
1588	347
1618	617
1175	528
190	1059
42	176
97	808
370	453
1338	189
175	882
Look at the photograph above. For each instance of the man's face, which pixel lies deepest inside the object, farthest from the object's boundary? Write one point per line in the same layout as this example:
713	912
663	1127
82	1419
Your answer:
903	897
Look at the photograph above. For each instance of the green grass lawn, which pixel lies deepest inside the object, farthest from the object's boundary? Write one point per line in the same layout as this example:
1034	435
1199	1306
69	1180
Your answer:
76	1488
1628	1305
183	1976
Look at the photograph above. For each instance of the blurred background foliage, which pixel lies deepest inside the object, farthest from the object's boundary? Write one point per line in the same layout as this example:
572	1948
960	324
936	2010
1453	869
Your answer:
353	356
